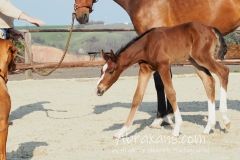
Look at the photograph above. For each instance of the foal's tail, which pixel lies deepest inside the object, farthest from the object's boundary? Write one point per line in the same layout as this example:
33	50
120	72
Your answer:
221	52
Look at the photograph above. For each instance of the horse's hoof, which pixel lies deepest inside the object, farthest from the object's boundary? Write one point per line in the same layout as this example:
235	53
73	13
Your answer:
228	125
155	126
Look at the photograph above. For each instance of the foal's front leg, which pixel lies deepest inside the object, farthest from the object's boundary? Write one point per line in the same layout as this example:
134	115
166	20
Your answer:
144	75
171	95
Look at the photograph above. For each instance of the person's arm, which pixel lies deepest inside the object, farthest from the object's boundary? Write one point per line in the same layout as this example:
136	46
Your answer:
35	21
9	10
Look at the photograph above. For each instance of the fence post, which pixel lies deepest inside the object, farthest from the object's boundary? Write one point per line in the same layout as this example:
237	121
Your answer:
28	39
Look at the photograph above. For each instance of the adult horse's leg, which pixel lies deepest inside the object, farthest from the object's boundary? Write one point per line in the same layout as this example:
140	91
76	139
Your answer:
171	95
163	108
144	75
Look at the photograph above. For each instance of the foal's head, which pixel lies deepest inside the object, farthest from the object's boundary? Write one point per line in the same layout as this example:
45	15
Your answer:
109	73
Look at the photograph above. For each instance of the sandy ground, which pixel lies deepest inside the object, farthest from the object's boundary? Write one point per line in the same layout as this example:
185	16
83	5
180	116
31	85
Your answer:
63	119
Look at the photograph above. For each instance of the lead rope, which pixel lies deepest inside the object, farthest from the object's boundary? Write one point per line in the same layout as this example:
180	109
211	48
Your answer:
65	51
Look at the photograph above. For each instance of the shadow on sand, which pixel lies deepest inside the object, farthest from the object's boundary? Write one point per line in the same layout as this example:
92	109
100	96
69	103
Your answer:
150	108
30	108
25	150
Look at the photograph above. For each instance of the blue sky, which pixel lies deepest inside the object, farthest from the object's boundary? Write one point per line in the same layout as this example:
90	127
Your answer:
59	12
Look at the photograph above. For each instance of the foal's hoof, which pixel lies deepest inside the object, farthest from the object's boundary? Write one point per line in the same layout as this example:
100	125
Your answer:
10	123
175	136
168	119
170	123
205	134
115	137
156	126
228	125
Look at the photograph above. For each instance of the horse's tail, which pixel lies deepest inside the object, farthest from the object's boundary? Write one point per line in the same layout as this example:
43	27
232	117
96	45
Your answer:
221	52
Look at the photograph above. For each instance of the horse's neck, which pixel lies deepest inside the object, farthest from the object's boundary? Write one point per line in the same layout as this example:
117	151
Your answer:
130	56
129	6
123	4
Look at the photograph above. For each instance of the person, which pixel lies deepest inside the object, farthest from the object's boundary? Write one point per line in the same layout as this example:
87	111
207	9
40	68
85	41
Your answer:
8	13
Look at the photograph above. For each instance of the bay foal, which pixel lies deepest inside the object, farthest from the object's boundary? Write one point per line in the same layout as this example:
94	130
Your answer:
147	14
155	50
7	53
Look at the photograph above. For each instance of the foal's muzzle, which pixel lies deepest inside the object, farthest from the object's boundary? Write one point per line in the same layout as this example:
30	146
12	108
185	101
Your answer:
99	92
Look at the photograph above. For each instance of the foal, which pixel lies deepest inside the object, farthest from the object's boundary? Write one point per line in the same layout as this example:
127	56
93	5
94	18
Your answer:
156	50
7	53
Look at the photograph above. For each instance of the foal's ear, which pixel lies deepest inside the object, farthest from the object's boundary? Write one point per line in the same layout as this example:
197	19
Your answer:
104	55
112	55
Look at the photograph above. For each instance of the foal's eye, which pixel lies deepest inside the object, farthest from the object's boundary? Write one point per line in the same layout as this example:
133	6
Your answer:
110	72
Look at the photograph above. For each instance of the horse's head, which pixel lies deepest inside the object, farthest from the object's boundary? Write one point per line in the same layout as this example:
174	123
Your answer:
82	9
109	73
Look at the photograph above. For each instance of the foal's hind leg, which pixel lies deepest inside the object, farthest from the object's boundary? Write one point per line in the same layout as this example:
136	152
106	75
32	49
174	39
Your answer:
223	73
143	78
209	85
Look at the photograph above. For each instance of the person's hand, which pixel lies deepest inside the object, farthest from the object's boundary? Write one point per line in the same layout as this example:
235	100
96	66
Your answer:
15	33
36	22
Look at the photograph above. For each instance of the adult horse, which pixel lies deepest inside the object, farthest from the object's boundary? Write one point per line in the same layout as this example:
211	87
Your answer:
146	14
155	50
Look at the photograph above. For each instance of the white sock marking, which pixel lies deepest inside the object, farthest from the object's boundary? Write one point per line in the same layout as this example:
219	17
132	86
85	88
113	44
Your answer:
156	123
120	133
211	117
178	122
223	105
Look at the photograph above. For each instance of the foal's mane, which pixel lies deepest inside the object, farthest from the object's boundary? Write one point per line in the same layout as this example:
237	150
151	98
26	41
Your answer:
131	42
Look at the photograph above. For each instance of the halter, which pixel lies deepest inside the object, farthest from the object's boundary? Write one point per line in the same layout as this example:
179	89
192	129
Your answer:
88	5
4	77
